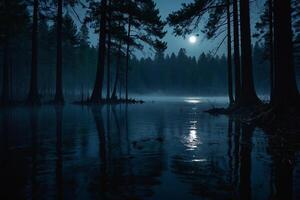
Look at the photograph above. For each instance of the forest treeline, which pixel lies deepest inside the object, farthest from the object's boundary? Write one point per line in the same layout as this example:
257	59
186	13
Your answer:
278	30
46	55
203	75
163	74
42	34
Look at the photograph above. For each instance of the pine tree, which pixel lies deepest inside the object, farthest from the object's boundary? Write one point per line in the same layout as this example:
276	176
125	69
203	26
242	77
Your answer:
59	97
265	35
285	87
237	59
248	94
144	17
96	96
132	15
14	20
33	96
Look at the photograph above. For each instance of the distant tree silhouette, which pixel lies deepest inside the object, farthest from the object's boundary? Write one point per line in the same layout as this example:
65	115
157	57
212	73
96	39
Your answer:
117	74
84	47
59	97
173	73
33	96
266	34
140	28
144	17
14	20
182	23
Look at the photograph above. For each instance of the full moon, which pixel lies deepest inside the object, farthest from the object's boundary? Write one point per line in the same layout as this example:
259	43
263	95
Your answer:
193	39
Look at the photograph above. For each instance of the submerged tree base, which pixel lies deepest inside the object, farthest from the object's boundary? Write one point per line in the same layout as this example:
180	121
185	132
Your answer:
55	102
4	104
264	116
109	102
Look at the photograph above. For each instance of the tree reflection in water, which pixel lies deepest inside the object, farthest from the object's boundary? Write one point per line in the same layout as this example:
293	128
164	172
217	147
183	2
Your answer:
143	152
282	149
124	172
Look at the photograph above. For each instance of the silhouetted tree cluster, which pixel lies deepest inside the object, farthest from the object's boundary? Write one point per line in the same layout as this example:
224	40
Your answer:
56	46
40	41
143	26
276	27
12	27
182	74
282	73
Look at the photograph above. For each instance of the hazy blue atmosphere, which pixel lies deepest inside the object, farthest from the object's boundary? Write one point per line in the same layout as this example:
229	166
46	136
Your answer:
150	99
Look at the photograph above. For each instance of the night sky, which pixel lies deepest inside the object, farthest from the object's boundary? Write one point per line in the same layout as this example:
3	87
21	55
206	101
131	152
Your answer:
175	43
203	45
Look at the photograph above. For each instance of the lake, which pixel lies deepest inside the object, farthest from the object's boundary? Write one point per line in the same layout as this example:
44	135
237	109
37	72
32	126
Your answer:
165	149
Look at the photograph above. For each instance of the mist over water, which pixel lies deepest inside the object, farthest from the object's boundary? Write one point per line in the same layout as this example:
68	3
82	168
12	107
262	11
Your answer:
143	151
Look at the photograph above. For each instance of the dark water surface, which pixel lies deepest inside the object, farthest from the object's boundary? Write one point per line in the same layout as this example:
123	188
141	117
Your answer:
162	150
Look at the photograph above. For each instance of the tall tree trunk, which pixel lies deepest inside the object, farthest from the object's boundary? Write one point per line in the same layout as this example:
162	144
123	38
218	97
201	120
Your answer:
127	57
33	97
118	65
285	86
108	51
271	50
97	92
59	98
248	93
229	58
5	97
237	59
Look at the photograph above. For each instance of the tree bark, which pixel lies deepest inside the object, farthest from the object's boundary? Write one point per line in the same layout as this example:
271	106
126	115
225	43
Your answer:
248	93
127	57
5	97
59	98
229	58
237	59
97	92
285	86
33	97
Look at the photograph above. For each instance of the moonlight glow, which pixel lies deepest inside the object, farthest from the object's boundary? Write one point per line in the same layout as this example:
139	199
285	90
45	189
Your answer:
193	39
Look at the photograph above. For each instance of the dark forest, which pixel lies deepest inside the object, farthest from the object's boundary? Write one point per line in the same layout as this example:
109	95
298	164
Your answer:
129	99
